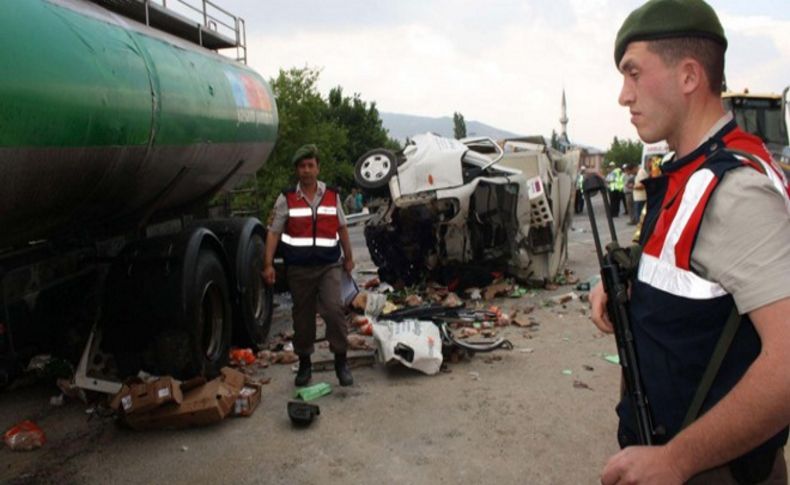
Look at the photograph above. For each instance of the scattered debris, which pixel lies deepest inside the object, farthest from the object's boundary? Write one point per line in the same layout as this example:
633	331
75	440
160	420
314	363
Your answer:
284	357
612	358
524	321
567	372
302	413
417	344
25	436
248	399
562	299
241	357
371	283
202	403
359	342
577	384
588	367
413	300
68	388
138	396
313	392
475	376
497	289
467	332
452	301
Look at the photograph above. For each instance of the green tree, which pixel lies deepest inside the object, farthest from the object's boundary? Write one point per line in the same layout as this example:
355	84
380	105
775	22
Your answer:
459	126
302	119
361	121
342	127
627	152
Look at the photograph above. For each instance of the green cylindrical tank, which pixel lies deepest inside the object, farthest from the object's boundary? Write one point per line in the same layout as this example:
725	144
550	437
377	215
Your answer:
104	121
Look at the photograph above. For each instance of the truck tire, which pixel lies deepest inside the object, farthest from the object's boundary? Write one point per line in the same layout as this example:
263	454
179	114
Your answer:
243	241
208	319
256	298
167	306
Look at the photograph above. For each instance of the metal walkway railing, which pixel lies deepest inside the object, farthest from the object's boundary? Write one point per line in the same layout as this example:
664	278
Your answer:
200	21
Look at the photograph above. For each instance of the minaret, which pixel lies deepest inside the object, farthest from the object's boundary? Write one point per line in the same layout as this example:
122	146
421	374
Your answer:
564	118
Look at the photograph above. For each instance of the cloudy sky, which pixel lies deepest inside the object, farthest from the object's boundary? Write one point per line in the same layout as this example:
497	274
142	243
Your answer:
502	62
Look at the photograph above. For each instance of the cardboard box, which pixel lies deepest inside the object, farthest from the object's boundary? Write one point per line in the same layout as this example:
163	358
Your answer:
139	397
248	399
202	405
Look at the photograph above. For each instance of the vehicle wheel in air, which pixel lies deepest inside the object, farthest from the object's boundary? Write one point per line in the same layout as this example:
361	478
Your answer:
208	321
374	169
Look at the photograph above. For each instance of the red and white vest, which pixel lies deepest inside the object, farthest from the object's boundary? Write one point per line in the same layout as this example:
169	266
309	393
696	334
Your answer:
310	237
677	316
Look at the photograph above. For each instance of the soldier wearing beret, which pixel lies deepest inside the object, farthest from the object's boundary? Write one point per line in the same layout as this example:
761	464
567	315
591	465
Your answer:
715	262
310	226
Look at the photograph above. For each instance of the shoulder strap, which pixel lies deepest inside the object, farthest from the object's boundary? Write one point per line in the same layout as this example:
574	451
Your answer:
722	346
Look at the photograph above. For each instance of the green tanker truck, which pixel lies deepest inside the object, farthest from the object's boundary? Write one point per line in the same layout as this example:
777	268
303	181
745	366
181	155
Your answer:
119	122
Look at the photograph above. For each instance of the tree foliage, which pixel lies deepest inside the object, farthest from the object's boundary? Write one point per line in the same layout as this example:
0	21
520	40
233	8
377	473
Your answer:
459	126
627	152
343	128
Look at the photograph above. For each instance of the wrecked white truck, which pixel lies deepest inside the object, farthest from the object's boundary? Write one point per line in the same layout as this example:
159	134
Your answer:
450	209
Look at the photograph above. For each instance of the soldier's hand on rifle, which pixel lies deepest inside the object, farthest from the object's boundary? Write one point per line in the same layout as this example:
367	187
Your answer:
598	309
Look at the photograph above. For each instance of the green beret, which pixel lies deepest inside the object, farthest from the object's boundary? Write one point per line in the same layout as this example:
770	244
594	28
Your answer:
665	19
305	152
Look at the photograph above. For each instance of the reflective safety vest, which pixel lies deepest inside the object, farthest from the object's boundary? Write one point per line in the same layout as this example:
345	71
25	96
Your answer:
676	315
616	179
310	237
580	181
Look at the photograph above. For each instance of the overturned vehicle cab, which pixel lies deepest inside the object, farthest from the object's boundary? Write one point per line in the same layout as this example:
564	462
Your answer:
446	208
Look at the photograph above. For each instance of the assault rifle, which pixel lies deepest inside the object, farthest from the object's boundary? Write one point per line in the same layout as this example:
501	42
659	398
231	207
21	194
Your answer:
618	265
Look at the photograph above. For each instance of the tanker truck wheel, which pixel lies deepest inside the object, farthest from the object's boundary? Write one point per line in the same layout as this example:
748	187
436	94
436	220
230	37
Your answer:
208	316
256	300
243	241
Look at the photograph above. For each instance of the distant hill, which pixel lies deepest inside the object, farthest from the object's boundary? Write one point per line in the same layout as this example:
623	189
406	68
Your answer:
401	126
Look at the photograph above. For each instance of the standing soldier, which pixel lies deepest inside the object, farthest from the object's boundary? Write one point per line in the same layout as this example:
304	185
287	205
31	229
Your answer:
310	224
715	260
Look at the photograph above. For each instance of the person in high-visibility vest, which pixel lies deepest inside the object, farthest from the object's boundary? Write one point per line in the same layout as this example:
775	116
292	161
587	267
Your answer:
310	225
615	180
578	204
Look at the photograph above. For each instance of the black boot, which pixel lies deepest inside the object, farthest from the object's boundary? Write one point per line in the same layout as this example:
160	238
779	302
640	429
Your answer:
342	370
305	371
